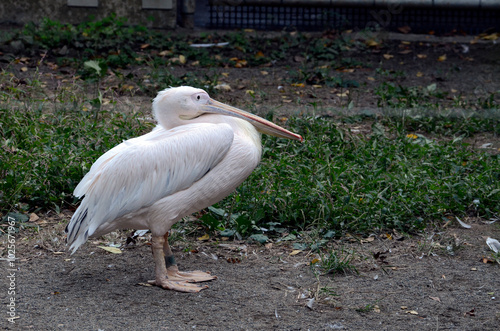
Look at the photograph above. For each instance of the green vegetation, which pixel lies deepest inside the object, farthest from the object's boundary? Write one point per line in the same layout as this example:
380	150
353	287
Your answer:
337	261
334	180
118	45
115	46
338	181
413	169
45	153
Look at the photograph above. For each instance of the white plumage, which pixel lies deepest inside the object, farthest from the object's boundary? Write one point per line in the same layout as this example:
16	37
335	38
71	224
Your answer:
199	153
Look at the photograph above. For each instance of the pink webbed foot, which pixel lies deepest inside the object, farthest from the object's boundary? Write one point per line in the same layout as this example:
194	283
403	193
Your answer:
175	285
196	276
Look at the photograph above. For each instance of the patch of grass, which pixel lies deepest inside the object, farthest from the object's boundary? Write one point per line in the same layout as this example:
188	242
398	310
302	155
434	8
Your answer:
342	182
455	123
320	76
44	153
398	96
368	308
336	262
424	98
335	181
114	42
159	77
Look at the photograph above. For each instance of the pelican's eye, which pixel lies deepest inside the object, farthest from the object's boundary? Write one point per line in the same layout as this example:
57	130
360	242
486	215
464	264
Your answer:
201	98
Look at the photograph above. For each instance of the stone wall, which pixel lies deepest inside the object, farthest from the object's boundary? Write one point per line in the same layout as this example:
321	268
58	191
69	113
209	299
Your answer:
151	13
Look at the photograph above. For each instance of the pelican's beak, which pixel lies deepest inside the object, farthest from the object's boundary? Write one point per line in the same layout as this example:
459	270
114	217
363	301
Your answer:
262	125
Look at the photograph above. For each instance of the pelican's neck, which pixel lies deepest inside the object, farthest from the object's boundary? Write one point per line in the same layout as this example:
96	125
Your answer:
247	130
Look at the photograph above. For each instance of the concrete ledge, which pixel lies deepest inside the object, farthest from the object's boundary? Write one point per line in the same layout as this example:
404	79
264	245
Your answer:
77	11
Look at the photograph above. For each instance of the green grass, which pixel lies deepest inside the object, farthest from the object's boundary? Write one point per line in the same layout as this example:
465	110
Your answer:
342	182
44	152
117	45
336	262
334	181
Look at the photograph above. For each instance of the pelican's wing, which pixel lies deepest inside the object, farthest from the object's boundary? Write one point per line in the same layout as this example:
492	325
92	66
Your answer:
143	170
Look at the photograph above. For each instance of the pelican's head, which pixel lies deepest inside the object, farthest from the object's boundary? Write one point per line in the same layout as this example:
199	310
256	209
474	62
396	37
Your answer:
178	105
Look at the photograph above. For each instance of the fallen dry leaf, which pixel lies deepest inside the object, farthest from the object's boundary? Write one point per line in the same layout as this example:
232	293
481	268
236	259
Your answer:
388	56
204	237
406	51
113	250
442	58
421	56
239	63
165	53
314	261
33	217
259	54
367	240
413	312
493	36
419	74
435	299
223	87
372	43
182	59
295	252
370	78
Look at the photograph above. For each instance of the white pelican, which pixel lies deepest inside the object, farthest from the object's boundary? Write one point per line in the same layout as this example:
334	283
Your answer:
199	152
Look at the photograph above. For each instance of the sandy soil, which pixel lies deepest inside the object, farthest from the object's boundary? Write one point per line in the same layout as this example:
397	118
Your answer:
441	280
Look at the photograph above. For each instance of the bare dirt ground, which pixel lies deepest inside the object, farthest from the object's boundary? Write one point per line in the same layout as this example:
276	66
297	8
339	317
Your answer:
442	279
439	280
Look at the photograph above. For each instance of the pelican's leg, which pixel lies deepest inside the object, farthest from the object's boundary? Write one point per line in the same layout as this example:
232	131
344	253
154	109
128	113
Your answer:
162	278
173	271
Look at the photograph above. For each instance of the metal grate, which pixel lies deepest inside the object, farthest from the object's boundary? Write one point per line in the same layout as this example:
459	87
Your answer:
421	20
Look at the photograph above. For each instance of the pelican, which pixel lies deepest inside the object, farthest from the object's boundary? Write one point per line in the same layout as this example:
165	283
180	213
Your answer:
199	152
